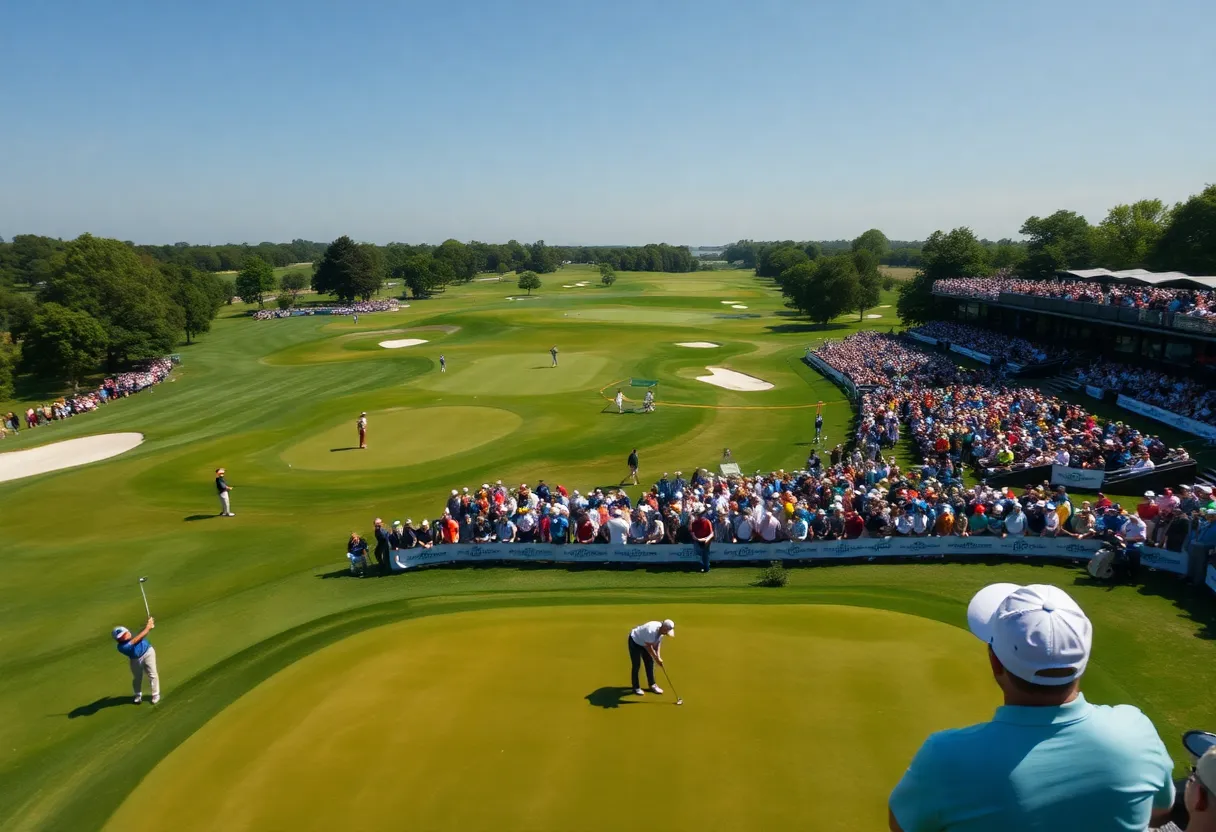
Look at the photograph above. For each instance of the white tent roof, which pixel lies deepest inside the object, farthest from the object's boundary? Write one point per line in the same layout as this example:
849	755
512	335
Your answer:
1140	276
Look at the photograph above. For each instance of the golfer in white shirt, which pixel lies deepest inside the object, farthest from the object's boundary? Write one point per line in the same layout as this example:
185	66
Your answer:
645	647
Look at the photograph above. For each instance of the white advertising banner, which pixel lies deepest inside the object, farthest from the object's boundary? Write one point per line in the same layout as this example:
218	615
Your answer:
1164	560
1087	479
1167	417
829	371
1094	392
866	547
924	339
978	356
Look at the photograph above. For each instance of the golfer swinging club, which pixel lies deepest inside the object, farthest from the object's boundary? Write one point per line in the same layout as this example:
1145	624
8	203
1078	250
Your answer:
645	645
139	651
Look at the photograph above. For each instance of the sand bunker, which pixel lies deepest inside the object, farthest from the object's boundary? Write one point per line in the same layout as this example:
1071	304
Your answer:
402	342
884	306
731	380
523	297
67	454
729	302
873	316
737	306
698	345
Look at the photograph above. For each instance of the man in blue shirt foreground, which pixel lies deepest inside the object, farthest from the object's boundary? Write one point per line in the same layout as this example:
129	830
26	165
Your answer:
1048	759
139	651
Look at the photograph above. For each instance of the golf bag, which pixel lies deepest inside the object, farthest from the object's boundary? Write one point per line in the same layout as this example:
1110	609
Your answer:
358	563
1110	563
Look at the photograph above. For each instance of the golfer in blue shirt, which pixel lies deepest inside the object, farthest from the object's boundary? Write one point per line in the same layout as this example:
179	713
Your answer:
142	656
1048	759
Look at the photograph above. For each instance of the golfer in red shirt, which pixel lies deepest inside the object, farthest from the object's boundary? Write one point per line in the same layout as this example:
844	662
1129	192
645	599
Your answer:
702	534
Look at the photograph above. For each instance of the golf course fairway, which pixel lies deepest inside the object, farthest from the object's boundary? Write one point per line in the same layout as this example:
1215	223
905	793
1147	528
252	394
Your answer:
520	718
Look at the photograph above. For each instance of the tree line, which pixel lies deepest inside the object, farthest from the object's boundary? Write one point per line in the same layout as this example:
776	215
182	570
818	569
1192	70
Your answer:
1145	234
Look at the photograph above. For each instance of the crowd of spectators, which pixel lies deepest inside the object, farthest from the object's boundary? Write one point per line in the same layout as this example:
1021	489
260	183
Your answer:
1012	348
145	375
1178	395
360	308
1194	303
965	417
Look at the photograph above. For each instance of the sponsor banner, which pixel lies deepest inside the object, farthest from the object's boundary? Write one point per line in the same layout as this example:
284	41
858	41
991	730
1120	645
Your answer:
885	547
924	339
830	371
970	353
1167	417
1094	392
1164	559
1087	479
1210	580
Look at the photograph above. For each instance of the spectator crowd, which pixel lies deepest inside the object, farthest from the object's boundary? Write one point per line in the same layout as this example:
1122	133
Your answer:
1193	303
1008	347
360	308
1178	395
145	375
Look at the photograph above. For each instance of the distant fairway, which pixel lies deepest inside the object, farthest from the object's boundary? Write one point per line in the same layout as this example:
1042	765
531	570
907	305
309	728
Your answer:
246	605
517	718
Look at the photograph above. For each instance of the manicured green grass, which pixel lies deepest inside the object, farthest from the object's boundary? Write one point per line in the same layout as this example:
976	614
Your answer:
239	599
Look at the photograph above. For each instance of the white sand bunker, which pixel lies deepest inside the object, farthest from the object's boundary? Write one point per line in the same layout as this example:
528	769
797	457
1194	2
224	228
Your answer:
873	316
581	283
884	306
67	454
698	345
523	297
731	380
402	342
729	302
737	306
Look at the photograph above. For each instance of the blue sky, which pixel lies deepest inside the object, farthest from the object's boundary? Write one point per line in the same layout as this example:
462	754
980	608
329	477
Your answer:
586	123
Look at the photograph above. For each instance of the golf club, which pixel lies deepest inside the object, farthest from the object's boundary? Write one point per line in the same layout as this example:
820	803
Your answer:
667	676
145	595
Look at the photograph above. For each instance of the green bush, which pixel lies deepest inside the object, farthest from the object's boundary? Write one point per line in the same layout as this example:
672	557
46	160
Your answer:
774	575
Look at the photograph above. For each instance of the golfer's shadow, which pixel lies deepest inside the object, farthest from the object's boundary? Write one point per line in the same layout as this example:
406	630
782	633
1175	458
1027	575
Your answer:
101	704
613	697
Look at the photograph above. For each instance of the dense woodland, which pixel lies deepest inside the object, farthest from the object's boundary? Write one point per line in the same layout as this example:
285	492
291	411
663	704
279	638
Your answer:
69	309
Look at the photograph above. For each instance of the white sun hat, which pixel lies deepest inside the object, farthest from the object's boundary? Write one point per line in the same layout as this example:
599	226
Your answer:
671	627
1032	629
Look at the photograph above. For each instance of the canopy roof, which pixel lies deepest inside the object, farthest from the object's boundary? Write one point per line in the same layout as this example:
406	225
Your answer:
1172	280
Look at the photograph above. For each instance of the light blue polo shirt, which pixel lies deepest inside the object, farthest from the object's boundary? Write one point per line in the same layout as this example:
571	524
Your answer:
1077	766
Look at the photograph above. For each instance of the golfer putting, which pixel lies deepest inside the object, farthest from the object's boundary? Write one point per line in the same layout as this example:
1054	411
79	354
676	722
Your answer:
645	647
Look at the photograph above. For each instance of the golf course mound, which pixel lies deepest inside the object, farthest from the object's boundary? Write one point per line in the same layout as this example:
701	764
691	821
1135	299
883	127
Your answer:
794	717
732	380
67	454
402	342
401	437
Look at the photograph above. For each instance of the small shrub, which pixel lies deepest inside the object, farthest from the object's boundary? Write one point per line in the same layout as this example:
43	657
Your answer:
285	301
774	575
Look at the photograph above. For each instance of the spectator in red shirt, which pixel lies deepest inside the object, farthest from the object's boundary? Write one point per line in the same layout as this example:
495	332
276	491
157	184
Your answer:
585	533
1103	501
702	534
854	525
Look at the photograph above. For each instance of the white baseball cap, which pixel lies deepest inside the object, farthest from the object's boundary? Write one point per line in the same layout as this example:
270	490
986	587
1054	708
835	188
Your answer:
671	627
1205	769
1032	629
119	632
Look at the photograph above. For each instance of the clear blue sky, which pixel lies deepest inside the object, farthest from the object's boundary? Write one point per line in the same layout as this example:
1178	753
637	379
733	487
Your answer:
577	122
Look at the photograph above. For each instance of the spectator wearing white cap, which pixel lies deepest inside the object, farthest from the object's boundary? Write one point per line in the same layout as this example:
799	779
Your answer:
1048	759
617	528
142	657
1200	795
646	646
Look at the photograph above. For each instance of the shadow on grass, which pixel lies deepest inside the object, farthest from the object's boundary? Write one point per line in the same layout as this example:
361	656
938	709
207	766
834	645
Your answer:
788	329
351	448
191	518
612	697
101	704
372	572
545	367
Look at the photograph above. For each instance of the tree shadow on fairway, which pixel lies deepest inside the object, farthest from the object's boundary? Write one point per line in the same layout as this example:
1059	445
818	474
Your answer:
613	697
101	704
191	518
794	329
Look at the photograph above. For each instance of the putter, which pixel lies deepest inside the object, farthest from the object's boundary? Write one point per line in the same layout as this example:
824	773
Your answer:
679	700
145	595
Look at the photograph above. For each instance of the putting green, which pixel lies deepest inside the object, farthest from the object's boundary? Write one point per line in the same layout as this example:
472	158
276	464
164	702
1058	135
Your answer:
518	374
795	716
405	436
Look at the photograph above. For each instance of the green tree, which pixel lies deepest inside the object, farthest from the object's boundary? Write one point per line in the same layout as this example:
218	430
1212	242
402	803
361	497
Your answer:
63	343
423	275
1064	240
459	256
347	271
607	274
875	242
869	280
17	310
123	290
9	356
255	281
1129	234
776	261
529	280
823	289
293	283
284	301
957	254
542	259
1006	254
1188	243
